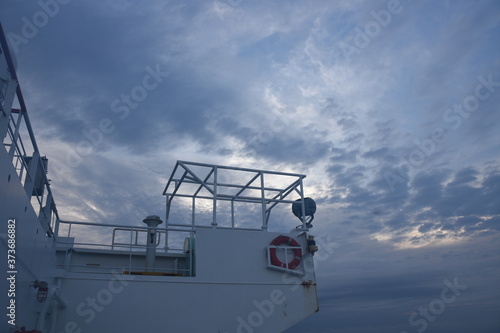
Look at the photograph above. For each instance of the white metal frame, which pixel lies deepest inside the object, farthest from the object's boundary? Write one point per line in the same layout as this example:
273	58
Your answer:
205	177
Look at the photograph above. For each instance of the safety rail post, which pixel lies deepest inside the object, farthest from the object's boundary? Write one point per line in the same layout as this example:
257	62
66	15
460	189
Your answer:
214	209
167	216
193	212
130	251
232	213
304	223
263	197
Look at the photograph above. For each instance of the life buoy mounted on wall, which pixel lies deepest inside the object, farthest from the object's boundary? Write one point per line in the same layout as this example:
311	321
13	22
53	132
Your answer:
288	241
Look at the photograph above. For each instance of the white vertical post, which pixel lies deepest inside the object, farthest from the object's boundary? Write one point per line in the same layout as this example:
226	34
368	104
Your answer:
193	211
167	214
263	195
152	221
303	203
232	213
214	210
32	169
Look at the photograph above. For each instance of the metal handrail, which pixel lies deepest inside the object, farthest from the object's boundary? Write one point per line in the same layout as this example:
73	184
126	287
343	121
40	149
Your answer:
135	243
17	148
134	247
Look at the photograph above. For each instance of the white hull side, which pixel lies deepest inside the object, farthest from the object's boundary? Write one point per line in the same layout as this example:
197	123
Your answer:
35	254
233	291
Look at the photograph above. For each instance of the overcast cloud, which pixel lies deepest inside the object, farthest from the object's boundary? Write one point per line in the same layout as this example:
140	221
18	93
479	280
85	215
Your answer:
389	107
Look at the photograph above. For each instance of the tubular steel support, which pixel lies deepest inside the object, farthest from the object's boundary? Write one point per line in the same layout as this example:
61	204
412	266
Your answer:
217	183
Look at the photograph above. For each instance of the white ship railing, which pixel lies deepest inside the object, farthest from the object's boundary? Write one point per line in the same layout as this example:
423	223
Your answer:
111	242
20	144
135	241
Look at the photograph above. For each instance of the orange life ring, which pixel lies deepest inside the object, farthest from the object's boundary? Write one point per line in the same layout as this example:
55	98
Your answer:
291	242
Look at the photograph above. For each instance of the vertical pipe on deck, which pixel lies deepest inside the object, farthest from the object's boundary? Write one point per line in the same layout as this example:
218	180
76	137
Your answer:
152	221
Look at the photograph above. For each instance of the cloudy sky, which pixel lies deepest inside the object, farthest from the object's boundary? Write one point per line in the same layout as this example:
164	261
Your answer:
389	107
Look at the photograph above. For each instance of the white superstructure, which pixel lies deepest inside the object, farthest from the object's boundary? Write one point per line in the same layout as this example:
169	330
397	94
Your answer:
211	264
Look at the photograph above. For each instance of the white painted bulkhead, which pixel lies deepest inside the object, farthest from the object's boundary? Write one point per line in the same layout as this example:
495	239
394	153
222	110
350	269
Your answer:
233	291
34	251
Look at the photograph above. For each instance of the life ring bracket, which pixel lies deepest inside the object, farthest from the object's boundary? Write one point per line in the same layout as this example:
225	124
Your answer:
292	251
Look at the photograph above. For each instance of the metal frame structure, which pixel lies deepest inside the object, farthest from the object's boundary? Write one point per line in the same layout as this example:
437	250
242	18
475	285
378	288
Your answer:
204	181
